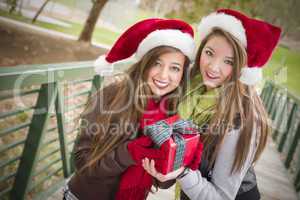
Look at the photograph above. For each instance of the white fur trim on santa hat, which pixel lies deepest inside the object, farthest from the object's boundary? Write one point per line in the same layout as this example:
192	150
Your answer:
251	76
224	21
168	37
102	67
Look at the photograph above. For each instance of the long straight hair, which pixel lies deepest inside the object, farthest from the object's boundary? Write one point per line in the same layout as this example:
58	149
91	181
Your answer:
236	102
128	93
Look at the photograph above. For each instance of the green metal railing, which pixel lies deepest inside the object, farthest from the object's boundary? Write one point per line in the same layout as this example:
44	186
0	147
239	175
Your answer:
283	109
36	140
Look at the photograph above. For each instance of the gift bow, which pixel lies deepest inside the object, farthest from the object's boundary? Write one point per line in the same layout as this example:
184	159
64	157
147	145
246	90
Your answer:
162	131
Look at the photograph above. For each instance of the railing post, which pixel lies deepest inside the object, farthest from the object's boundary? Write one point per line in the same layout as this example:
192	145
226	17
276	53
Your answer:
59	105
288	127
270	99
278	115
274	105
96	84
297	177
264	92
38	126
293	147
268	95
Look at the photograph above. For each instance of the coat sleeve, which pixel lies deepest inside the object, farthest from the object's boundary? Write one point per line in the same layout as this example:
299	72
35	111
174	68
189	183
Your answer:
224	184
114	162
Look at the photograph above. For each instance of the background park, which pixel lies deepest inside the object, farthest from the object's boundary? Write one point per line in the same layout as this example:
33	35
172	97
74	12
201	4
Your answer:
46	50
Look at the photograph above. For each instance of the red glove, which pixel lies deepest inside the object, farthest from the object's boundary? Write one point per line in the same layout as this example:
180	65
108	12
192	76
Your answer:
197	158
141	148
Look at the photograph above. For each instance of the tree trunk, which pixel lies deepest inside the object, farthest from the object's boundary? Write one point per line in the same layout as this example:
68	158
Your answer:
89	26
13	5
40	11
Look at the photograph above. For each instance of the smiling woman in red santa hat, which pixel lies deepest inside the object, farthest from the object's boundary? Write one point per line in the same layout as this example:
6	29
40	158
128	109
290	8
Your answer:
110	147
229	61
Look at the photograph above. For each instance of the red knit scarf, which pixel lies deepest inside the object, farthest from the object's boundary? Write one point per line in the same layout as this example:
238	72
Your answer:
135	182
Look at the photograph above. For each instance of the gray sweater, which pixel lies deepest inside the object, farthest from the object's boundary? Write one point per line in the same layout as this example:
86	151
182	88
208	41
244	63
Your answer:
223	184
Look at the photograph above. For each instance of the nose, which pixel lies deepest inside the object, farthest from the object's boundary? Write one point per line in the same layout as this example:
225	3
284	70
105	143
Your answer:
164	73
215	65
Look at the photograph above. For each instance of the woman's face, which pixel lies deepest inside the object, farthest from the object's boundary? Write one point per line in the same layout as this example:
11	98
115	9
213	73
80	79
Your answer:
166	73
216	61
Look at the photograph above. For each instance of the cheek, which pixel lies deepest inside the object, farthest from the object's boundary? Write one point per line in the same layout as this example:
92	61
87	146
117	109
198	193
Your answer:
175	79
203	62
227	72
151	73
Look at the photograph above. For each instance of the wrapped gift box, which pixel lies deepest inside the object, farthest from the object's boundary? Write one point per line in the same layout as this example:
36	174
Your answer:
164	132
169	147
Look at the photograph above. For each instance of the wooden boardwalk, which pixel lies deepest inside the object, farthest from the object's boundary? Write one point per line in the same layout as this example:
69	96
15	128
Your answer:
272	177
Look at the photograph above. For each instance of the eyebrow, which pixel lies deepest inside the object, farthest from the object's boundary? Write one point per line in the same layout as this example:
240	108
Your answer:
232	58
214	51
210	48
174	63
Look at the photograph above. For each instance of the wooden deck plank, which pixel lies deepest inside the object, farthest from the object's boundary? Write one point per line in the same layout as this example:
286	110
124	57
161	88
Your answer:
273	179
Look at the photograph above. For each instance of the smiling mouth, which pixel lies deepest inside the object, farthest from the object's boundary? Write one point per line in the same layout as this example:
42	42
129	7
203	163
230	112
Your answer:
211	76
160	84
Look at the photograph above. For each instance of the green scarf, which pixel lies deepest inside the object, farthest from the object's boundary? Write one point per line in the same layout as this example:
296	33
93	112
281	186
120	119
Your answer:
198	103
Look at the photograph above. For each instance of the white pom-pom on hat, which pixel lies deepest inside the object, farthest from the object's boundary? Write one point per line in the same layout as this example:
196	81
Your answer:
251	76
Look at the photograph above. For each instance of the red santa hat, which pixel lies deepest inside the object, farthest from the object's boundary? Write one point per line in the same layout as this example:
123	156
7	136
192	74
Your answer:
146	35
258	37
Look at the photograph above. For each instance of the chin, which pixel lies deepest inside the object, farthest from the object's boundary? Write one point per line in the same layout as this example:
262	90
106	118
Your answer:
159	94
210	84
156	92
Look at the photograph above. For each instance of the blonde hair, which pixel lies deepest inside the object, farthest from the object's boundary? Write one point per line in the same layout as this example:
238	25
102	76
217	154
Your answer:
237	105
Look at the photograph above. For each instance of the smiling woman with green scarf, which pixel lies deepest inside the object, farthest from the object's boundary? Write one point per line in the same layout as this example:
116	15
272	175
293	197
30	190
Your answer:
232	51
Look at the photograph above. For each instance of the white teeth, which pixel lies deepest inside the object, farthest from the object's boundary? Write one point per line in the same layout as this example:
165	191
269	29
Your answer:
160	83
